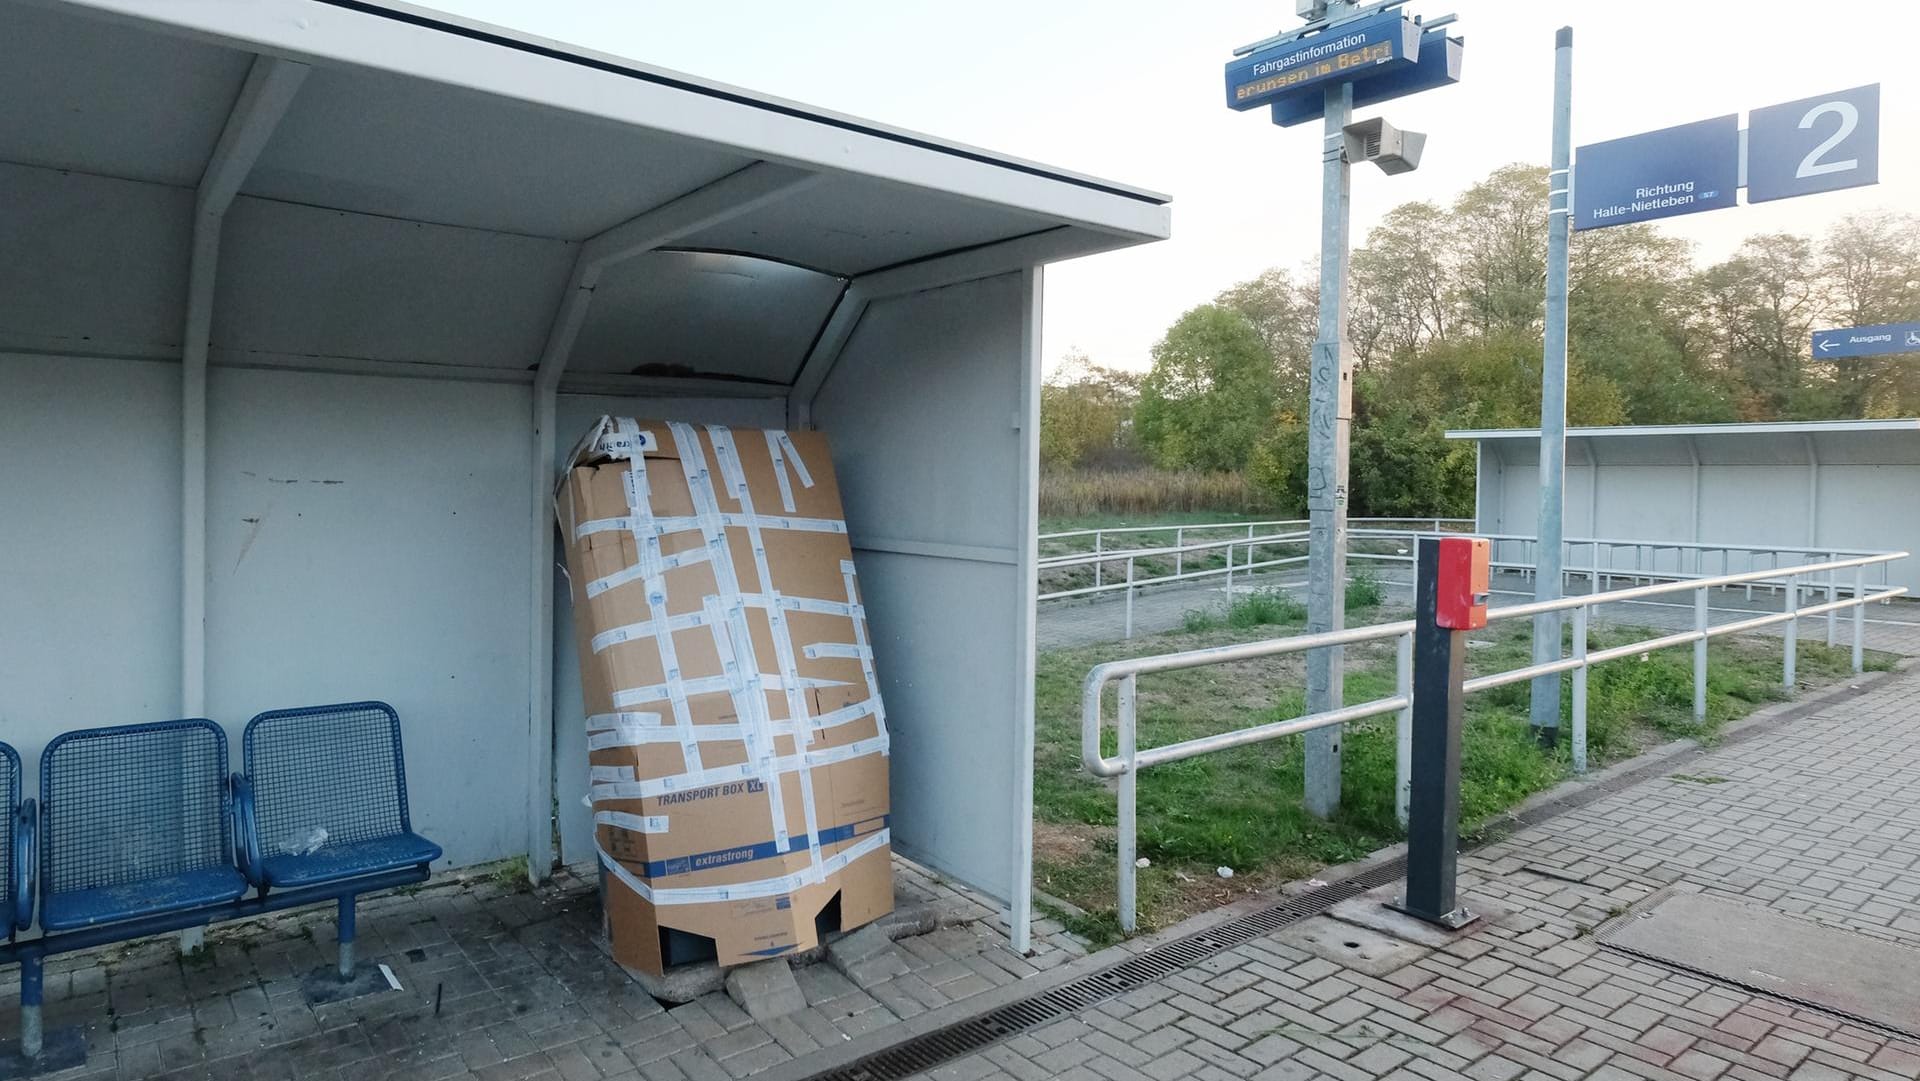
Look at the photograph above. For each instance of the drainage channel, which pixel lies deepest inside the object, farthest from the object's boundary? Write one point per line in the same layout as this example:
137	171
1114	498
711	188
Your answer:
929	1050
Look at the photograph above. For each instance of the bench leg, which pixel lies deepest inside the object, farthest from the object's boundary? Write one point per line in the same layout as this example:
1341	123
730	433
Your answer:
345	937
30	990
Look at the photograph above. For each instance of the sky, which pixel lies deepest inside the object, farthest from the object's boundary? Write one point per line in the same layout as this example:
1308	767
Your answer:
1131	90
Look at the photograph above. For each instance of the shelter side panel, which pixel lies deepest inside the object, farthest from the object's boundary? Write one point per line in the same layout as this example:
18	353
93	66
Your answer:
921	411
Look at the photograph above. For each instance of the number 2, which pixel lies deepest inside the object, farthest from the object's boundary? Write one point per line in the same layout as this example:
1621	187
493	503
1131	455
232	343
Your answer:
1811	165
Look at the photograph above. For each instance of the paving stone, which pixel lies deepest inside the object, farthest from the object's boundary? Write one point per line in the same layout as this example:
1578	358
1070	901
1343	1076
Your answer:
765	989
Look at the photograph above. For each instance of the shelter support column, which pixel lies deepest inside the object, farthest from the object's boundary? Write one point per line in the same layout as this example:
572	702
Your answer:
730	196
264	97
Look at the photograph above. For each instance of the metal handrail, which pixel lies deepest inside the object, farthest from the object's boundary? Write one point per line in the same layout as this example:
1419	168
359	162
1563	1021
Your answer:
1128	760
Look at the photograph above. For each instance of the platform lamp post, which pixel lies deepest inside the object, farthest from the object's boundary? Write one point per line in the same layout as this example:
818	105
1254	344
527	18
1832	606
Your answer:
1348	54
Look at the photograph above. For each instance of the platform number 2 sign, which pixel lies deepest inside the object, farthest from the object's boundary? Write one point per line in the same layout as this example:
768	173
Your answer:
1814	145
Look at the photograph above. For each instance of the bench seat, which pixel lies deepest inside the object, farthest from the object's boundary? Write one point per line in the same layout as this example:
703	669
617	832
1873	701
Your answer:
339	862
201	888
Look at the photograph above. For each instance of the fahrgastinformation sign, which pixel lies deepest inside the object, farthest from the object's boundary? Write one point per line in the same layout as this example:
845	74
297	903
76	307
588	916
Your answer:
1348	53
1796	148
1871	341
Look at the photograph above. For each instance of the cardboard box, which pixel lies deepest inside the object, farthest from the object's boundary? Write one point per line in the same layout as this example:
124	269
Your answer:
736	741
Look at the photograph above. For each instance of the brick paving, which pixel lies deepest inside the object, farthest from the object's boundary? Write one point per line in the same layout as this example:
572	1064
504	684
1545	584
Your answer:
1814	818
498	983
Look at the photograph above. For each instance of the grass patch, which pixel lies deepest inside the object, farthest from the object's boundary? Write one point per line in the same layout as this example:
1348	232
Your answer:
510	874
1363	591
1242	808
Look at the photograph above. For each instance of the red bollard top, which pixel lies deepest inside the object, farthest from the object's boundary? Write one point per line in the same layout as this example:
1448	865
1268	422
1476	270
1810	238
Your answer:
1461	604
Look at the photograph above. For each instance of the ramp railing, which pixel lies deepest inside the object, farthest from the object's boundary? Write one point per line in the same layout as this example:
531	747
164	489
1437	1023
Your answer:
1128	759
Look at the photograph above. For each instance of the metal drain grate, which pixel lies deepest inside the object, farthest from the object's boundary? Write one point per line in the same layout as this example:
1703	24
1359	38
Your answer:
929	1050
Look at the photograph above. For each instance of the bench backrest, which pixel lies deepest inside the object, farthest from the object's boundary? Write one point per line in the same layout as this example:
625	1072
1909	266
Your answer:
9	801
336	768
133	803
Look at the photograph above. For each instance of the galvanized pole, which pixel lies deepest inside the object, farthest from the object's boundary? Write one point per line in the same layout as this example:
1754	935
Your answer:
1553	396
1329	416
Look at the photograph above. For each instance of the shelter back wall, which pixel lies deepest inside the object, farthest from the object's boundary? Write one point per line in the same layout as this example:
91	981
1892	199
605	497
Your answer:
366	539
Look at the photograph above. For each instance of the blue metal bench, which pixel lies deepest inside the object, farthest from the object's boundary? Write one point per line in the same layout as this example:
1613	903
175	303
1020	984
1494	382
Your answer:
142	831
323	802
17	856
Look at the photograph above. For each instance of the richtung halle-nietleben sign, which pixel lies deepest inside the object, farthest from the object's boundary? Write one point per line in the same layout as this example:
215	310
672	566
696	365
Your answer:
1342	54
1658	174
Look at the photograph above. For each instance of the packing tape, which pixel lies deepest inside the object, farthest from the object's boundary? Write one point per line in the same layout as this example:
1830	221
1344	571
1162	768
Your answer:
847	650
631	822
646	569
682	524
780	469
744	891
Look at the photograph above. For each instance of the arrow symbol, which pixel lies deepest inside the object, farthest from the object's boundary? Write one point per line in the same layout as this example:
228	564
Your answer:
1826	345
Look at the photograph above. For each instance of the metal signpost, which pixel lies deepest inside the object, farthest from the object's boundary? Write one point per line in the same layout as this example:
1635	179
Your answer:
1874	341
1545	704
1795	148
1347	53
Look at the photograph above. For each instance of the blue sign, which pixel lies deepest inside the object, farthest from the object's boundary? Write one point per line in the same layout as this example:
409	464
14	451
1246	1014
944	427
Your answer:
1813	145
1348	53
1867	341
1438	65
1659	174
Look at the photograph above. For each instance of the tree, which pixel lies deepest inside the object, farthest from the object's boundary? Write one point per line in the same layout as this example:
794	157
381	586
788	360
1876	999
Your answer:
1086	414
1768	297
1403	283
1209	394
1500	235
1285	312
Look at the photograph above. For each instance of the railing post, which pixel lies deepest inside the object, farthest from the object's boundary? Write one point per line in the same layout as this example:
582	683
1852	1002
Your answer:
1833	594
1179	550
1793	632
1126	839
1129	596
1580	688
1403	727
1700	657
1229	577
1097	552
1859	617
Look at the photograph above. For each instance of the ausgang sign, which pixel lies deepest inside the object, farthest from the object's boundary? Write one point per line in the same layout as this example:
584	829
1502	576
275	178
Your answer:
1347	53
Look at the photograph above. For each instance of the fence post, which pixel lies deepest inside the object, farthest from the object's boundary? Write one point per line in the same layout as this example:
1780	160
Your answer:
1229	576
1126	839
1129	596
1179	551
1793	632
1097	553
1859	617
1700	657
1403	727
1580	688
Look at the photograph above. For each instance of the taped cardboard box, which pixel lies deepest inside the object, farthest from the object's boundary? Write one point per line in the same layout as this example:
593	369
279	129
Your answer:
736	742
